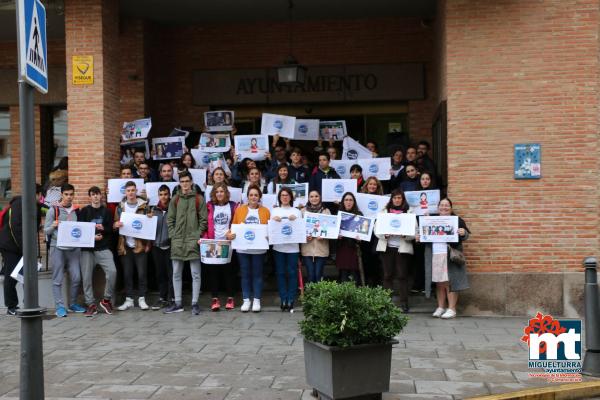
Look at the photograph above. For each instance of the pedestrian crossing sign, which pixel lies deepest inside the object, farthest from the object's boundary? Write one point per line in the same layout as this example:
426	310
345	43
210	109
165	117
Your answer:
33	50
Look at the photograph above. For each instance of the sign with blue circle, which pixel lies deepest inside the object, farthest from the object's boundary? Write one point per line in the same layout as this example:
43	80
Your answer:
372	205
76	233
278	124
136	224
303	128
339	188
373	169
395	223
286	230
33	48
249	235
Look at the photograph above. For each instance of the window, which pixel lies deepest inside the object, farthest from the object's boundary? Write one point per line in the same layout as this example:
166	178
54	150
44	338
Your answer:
4	153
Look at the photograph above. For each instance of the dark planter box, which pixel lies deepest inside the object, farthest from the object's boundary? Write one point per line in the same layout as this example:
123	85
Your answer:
361	371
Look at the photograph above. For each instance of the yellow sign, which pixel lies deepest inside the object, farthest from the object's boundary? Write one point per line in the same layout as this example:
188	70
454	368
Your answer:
83	70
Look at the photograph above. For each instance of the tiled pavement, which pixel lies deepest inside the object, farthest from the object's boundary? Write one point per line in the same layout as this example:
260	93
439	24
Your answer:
230	355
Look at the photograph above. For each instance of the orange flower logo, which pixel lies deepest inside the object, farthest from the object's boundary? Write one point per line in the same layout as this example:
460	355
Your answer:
542	324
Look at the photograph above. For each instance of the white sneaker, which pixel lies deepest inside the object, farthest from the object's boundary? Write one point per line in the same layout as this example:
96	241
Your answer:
438	312
256	305
142	303
127	305
450	313
245	306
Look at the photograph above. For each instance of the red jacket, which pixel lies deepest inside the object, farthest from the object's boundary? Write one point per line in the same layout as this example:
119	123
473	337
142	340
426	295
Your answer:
210	232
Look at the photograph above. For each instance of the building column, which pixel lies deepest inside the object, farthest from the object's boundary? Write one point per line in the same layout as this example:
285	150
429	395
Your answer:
132	69
15	149
92	29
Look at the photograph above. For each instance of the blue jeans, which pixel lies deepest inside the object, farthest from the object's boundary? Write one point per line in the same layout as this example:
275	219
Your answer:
286	263
314	267
251	266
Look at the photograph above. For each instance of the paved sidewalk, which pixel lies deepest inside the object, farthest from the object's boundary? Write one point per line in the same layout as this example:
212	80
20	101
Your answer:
230	355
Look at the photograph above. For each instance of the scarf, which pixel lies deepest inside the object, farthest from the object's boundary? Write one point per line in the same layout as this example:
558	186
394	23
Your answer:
314	209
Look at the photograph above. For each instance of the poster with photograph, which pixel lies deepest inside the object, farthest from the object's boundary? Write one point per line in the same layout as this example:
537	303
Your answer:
306	129
214	143
152	190
116	188
377	167
342	167
332	130
300	191
199	177
138	226
440	229
287	231
217	160
352	150
423	202
282	125
219	121
215	251
235	194
128	149
396	224
179	132
167	148
201	158
356	226
76	234
249	237
334	189
528	164
254	147
371	204
136	130
322	225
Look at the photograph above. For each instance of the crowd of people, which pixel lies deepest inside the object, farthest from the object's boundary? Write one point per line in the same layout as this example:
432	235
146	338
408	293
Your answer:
188	214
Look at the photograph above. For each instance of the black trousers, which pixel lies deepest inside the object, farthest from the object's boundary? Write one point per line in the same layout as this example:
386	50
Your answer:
10	261
220	273
164	273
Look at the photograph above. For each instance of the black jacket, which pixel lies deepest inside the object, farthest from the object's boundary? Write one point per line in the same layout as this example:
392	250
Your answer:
102	216
11	234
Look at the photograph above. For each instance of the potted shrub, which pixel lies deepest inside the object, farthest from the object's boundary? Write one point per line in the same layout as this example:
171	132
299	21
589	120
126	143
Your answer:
348	336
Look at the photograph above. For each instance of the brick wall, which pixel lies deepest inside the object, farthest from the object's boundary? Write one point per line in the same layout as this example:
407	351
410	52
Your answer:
15	148
132	69
521	72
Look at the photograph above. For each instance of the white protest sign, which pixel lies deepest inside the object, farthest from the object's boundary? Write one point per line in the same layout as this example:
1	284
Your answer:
334	130
137	129
423	201
371	204
396	224
198	176
334	189
254	147
439	229
202	158
138	226
287	231
282	125
342	167
306	129
215	251
249	237
267	200
352	150
377	167
116	188
75	234
152	190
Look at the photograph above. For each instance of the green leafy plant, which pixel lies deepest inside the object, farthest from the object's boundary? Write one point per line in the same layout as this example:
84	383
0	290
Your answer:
345	315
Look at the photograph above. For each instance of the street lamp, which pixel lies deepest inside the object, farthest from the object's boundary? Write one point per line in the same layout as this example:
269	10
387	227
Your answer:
291	72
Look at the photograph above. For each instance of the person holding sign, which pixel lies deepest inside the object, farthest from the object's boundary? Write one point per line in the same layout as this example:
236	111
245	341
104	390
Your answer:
132	251
187	222
395	251
59	257
346	260
220	215
316	249
286	255
161	250
371	262
251	260
283	177
449	277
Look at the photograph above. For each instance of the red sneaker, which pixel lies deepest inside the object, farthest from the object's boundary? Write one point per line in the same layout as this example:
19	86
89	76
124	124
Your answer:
230	305
106	306
216	305
91	311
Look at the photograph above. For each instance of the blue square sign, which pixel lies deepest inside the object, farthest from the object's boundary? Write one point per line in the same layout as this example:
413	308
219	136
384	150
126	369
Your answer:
33	49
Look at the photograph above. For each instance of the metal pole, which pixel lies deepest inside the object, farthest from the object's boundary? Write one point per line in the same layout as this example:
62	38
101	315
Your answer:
591	362
32	362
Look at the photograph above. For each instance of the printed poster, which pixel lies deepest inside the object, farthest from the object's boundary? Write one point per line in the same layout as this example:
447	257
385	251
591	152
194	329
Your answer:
322	225
17	273
371	204
377	167
267	200
136	130
528	164
215	251
423	202
76	234
168	148
440	229
249	237
138	226
300	191
198	176
254	147
128	149
353	150
116	188
282	125
342	167
356	226
334	189
306	129
214	143
219	121
396	224
287	231
332	130
152	190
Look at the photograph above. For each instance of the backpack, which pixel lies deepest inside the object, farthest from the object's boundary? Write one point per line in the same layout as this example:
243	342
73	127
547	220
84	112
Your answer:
2	214
197	202
56	215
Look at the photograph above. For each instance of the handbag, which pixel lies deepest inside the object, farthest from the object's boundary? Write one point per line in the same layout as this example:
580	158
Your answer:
456	256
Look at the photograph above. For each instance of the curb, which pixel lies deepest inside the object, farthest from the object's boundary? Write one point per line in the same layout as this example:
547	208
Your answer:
581	390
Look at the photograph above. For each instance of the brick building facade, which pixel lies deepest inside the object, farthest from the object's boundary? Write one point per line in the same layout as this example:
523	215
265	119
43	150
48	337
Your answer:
506	72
